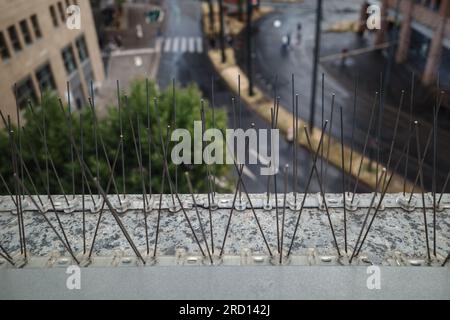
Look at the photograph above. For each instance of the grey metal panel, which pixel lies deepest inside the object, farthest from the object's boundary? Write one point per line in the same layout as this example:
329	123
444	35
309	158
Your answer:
239	283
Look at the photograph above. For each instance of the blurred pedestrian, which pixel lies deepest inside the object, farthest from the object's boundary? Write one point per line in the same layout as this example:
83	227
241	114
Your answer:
284	42
230	40
299	33
118	40
212	42
344	53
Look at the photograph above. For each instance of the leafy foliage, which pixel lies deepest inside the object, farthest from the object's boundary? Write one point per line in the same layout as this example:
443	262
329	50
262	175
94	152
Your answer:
133	116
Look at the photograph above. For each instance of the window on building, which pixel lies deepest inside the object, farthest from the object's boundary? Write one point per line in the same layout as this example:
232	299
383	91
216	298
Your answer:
36	26
4	51
53	15
26	34
14	37
82	49
436	5
69	59
418	51
44	76
62	14
25	92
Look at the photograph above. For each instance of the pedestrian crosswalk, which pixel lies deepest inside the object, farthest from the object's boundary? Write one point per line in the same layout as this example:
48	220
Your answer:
180	45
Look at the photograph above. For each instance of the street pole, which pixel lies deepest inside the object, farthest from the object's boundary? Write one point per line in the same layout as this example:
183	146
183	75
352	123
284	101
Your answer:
222	31
211	17
392	49
240	10
315	65
249	48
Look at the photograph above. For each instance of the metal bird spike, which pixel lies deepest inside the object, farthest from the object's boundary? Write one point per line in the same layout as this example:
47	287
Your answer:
322	193
416	125
434	187
315	158
48	157
105	153
286	172
239	169
163	181
71	137
138	150
87	171
410	122
8	190
209	181
83	203
95	129
352	144
213	110
149	138
394	137
19	135
22	163
295	162
169	179
366	218
198	216
425	152
174	126
20	214
17	186
233	207
65	244
165	155
343	180
72	160
111	179
119	100
386	187
323	119
325	187
369	128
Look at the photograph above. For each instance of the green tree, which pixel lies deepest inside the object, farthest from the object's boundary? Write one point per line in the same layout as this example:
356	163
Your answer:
134	109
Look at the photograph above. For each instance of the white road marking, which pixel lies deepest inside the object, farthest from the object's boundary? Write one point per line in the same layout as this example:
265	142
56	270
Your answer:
180	44
168	42
158	44
199	45
191	45
132	52
183	44
176	42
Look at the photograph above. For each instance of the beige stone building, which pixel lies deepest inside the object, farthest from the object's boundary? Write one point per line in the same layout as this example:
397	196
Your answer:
39	50
424	37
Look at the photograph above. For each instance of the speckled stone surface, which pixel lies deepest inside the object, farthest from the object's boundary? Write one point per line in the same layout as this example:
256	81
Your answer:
393	229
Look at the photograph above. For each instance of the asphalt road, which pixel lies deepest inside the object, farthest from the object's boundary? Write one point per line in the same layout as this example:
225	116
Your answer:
269	60
183	20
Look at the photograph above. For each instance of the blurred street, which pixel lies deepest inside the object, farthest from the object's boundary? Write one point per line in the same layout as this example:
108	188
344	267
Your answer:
186	67
175	49
270	60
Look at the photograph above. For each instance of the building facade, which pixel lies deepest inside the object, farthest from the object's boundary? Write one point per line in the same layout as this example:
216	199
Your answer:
39	51
424	36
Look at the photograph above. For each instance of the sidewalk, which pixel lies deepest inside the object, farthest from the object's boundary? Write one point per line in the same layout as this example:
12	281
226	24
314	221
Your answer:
136	58
261	104
369	65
